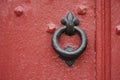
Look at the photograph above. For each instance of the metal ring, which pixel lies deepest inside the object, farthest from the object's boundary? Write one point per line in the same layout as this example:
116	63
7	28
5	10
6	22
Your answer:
64	53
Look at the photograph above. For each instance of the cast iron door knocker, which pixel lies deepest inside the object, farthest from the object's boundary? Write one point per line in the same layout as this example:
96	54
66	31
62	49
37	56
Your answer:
70	26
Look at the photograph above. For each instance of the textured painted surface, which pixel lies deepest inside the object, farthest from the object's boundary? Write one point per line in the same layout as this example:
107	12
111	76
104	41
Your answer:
115	40
25	46
103	39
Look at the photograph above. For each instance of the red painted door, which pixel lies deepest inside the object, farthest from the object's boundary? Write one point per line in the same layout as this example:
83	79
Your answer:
26	29
115	40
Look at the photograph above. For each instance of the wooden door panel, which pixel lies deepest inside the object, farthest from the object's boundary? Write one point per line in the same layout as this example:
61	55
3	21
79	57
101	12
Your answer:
115	40
25	46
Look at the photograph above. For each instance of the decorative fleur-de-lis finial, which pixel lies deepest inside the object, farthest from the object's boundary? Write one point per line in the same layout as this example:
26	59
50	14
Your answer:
70	21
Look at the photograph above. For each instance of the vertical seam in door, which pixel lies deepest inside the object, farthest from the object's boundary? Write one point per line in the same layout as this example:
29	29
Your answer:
95	39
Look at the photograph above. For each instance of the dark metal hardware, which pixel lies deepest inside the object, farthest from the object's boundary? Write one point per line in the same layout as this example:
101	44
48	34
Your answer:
69	54
70	21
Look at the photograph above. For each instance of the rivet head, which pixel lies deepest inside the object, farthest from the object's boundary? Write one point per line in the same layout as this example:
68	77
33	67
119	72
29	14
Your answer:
18	10
51	28
81	10
118	30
